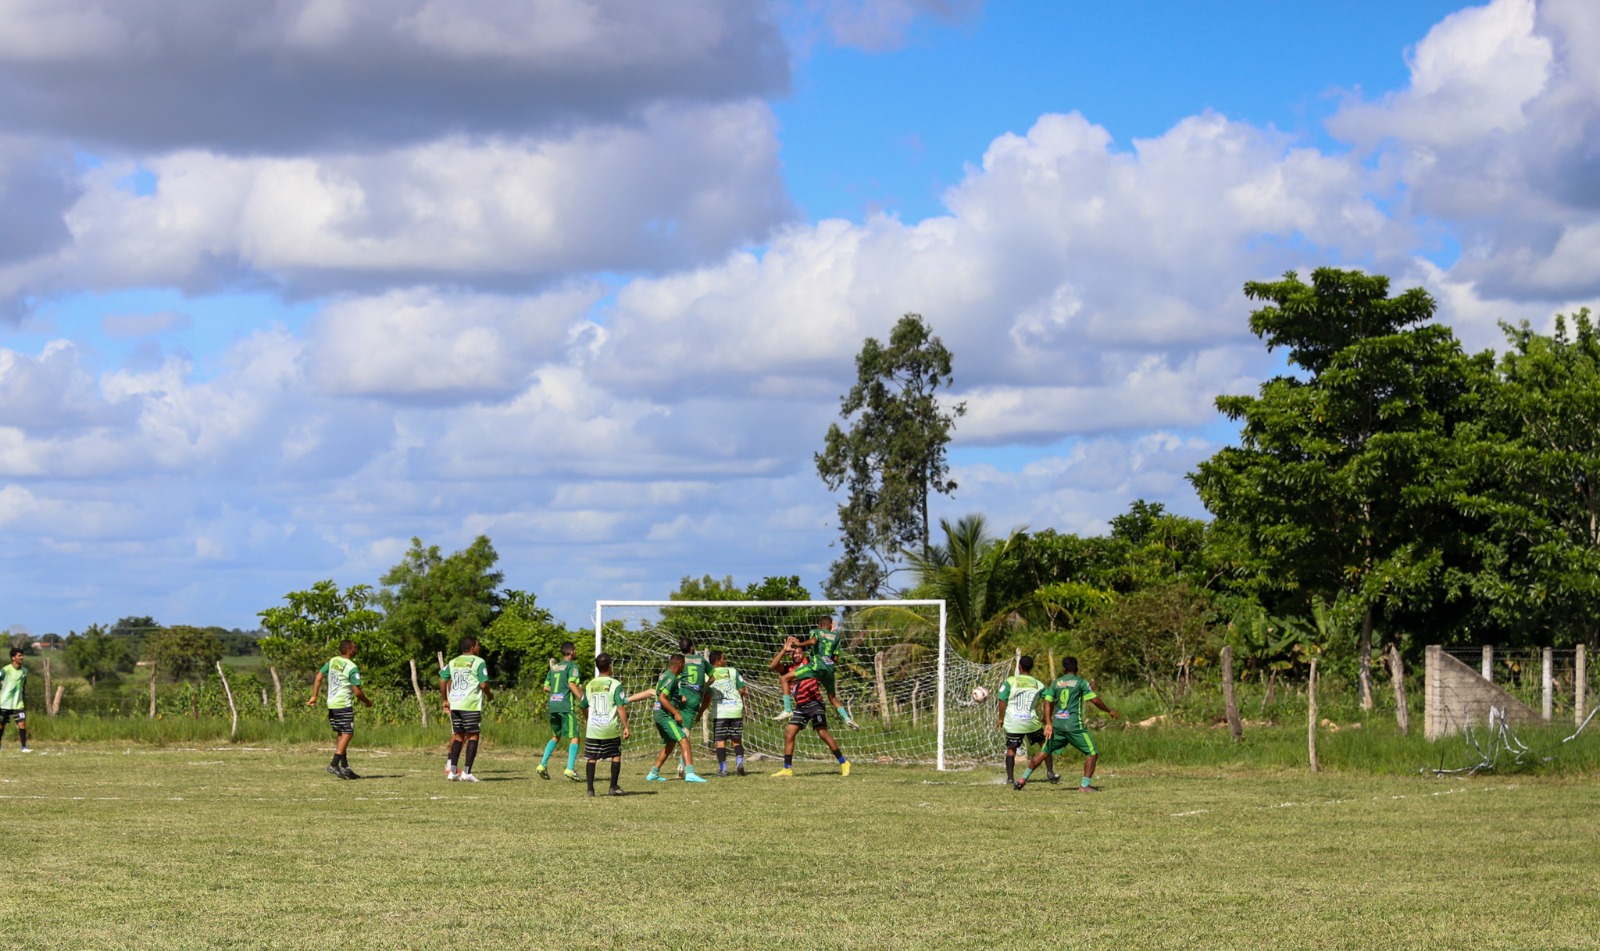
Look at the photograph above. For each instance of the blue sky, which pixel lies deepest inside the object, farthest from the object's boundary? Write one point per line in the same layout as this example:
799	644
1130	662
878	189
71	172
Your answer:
589	276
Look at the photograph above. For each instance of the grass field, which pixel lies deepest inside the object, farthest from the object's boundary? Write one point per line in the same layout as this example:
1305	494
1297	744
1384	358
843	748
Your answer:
117	845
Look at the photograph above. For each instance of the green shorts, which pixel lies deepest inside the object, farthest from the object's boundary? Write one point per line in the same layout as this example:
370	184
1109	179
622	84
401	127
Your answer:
564	726
1078	739
671	730
828	680
690	709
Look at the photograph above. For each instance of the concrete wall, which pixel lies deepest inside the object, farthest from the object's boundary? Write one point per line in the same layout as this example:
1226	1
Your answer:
1455	694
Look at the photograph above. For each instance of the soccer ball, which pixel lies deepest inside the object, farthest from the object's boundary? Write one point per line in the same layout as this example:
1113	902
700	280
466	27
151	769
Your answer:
979	694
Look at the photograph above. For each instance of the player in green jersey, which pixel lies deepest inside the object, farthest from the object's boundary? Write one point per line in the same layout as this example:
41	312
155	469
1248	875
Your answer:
603	698
728	694
344	687
464	685
670	723
1063	707
822	648
1018	716
692	687
13	678
561	683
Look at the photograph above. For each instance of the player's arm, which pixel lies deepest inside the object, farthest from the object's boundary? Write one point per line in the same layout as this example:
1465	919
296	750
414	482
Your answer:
1049	717
622	711
666	704
575	688
1102	705
444	690
316	688
776	663
999	712
360	694
488	694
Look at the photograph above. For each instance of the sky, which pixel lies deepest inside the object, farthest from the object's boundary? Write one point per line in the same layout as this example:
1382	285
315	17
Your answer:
286	284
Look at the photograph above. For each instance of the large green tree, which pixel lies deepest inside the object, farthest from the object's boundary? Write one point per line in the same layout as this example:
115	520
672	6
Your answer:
182	652
1339	484
961	571
432	600
525	637
891	458
95	655
303	632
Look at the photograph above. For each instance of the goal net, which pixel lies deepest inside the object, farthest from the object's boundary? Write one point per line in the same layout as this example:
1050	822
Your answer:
910	692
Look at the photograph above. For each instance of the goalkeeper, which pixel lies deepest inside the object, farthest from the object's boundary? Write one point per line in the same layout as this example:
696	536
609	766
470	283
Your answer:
1017	715
809	710
823	649
1063	708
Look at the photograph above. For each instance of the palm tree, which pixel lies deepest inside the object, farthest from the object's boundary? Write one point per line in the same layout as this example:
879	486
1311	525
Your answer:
959	570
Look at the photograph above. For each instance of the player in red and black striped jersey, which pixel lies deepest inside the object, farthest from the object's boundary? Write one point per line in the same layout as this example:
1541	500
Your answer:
809	708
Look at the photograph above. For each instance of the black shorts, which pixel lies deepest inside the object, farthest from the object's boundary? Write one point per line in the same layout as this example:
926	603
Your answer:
1014	740
602	749
812	714
466	721
6	716
342	719
731	728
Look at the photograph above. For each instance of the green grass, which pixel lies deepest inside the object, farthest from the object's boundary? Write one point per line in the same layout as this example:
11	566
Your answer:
130	845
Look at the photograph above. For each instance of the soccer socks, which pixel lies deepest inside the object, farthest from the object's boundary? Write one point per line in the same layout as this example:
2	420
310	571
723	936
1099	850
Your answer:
843	713
616	773
788	762
1084	783
572	756
335	761
788	703
472	753
838	755
1011	769
738	754
455	753
1027	774
722	759
589	772
22	734
549	750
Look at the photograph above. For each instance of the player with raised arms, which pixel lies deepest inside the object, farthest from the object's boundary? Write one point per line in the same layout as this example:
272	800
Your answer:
728	694
607	705
822	648
13	680
669	722
344	688
562	684
1063	706
1019	717
464	684
809	710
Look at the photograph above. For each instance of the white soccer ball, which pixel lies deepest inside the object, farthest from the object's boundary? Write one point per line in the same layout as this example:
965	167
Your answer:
980	694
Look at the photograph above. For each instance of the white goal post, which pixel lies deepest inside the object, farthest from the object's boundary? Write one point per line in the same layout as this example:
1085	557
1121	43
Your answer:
909	691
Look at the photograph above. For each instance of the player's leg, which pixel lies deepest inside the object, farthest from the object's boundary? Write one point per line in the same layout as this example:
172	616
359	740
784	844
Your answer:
543	769
689	775
786	689
829	678
721	746
570	725
591	755
1056	743
1091	755
833	747
5	717
789	733
616	772
22	730
736	736
469	749
672	736
458	740
342	722
1013	740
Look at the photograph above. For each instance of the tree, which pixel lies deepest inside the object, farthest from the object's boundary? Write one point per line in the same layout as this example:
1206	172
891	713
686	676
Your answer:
1156	634
431	600
306	631
891	458
96	655
960	570
182	652
526	636
1339	482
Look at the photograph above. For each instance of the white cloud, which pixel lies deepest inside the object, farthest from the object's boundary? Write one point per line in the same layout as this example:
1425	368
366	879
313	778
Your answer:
143	325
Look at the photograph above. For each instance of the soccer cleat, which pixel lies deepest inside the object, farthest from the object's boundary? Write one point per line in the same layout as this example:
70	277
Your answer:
348	773
336	771
784	715
852	724
616	791
26	749
542	770
1053	778
591	793
1088	789
693	778
740	770
572	774
722	773
786	771
844	768
655	777
467	778
452	776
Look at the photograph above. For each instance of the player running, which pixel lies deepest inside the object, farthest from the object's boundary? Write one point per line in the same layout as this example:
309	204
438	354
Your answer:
808	709
13	678
562	684
1017	715
728	694
608	722
670	722
344	687
1063	705
464	685
823	654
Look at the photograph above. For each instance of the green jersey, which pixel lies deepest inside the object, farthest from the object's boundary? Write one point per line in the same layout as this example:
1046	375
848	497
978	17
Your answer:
1068	694
466	675
342	674
11	683
603	698
1020	693
726	682
694	680
825	652
668	684
559	682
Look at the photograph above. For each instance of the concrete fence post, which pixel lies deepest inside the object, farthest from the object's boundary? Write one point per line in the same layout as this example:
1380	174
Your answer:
1580	685
1232	707
1488	663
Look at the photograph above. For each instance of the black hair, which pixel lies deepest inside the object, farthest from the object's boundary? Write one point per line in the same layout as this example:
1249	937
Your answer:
346	646
568	648
686	643
17	650
467	644
602	663
1025	664
1069	665
675	659
716	658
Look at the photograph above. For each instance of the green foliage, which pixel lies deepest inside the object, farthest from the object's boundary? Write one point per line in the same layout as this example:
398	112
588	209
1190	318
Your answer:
303	633
519	644
1159	635
771	624
892	456
182	652
96	655
961	571
431	600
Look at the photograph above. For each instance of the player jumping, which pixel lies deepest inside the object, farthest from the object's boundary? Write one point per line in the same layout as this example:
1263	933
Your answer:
1017	716
808	709
464	684
561	683
13	678
823	650
344	687
1063	705
728	694
608	722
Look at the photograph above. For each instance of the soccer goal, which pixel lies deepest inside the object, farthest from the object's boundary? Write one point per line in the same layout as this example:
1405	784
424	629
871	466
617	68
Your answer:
911	693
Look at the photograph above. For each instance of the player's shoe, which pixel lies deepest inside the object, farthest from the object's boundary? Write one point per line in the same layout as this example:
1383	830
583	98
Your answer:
26	749
784	715
1088	789
467	778
740	770
591	793
786	771
336	771
692	777
616	791
852	724
348	773
1053	779
655	777
572	774
844	768
1019	784
542	770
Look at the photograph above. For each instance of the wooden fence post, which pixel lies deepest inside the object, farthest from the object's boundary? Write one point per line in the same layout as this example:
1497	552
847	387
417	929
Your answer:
441	659
1311	716
1397	673
878	663
49	708
1580	686
418	688
152	690
277	691
55	705
1234	725
233	731
1548	681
